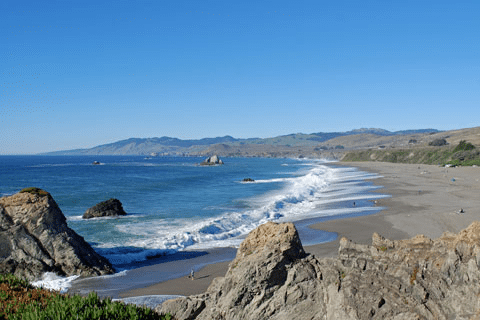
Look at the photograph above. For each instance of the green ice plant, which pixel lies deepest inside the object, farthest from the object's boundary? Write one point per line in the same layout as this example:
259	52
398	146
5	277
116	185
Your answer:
14	281
64	307
83	308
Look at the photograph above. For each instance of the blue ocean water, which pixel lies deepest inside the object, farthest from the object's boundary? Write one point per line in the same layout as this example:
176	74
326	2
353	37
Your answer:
173	204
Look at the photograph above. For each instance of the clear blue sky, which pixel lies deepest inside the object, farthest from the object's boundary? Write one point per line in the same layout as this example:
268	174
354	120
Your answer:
76	73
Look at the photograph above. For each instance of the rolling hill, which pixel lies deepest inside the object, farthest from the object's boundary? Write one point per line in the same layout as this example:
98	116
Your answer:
298	143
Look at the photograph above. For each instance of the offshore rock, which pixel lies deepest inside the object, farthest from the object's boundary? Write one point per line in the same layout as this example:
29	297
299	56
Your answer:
35	238
210	161
109	208
272	278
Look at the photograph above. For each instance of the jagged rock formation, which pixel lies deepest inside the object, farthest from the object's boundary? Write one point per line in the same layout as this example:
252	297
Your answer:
213	160
35	238
109	208
272	278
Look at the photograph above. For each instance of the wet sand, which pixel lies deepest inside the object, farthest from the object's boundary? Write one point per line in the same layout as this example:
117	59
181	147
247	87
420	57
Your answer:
425	200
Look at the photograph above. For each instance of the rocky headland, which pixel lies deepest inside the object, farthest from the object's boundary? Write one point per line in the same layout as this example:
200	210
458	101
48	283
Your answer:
108	208
35	238
273	278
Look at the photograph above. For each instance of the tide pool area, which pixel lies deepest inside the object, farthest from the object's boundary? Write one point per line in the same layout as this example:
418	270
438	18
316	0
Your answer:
179	211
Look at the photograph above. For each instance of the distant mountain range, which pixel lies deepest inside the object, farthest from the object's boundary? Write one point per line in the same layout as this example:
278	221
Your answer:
175	146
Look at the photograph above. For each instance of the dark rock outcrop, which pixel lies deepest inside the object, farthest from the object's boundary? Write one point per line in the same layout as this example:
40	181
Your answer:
272	278
210	161
438	142
35	238
109	208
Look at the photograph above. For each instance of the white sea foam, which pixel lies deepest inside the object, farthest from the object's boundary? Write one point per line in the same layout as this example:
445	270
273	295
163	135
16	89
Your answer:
52	281
151	301
303	196
127	255
272	180
46	165
335	212
115	275
80	218
7	194
74	218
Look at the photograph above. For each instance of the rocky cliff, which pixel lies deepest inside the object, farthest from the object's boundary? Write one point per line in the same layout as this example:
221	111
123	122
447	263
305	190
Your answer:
35	238
272	278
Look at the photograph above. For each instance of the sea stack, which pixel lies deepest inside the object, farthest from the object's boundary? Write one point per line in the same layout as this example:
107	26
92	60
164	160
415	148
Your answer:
109	208
35	238
211	161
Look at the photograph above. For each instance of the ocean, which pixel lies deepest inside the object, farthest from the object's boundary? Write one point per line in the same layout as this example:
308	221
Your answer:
176	207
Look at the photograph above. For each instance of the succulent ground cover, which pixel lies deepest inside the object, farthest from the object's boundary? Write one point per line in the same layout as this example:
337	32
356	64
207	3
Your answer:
19	300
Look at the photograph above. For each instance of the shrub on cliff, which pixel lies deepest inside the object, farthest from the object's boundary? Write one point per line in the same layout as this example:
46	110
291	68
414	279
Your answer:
34	190
464	146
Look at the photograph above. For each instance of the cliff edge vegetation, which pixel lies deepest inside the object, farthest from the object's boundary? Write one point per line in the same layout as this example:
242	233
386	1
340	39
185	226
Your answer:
19	300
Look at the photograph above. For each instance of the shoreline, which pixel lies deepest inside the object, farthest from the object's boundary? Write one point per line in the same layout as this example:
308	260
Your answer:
425	199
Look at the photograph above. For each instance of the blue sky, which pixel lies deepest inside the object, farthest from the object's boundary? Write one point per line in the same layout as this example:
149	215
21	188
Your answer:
76	74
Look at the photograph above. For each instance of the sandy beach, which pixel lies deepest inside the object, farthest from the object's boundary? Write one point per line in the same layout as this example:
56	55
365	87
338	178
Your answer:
425	199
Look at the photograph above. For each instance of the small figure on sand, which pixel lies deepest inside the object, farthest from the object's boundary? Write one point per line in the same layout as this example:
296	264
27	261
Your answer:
192	274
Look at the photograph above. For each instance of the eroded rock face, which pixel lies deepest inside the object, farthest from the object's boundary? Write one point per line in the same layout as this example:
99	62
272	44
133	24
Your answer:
35	238
271	278
108	208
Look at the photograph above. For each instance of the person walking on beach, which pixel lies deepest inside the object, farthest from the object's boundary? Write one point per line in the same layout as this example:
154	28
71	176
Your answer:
192	274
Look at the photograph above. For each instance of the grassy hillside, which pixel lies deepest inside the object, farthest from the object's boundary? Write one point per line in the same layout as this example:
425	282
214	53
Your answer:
464	154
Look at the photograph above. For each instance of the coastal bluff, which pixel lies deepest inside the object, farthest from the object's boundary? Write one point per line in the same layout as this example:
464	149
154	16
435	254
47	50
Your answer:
35	238
273	278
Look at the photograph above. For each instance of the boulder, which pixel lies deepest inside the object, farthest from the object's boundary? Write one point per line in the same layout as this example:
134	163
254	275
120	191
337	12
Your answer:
35	238
109	208
213	160
272	278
